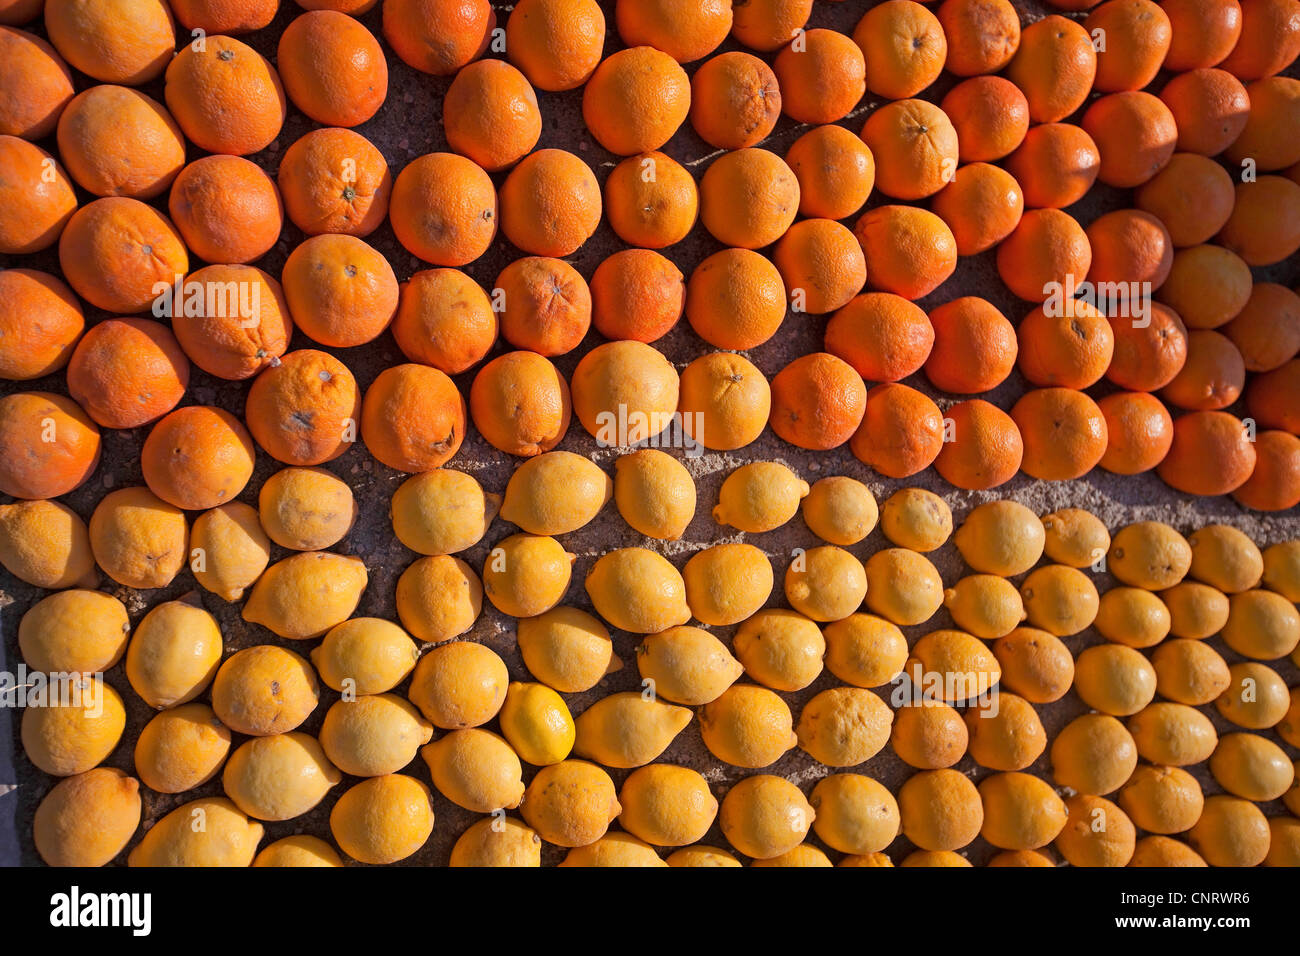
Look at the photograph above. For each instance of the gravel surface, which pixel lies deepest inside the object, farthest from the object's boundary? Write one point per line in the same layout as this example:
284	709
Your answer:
409	125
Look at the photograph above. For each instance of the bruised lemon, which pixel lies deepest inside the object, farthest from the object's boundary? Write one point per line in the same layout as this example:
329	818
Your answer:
305	595
139	540
555	493
1036	665
686	665
825	583
916	519
458	685
637	590
747	726
77	631
1059	599
1149	554
438	598
383	819
497	841
365	655
628	729
306	509
300	850
174	654
1097	833
278	777
46	544
865	650
87	820
526	574
441	512
566	648
840	510
210	831
571	803
654	493
264	690
760	496
986	605
229	550
1075	537
666	805
764	816
903	586
726	583
844	726
1001	537
537	723
75	728
181	748
1225	558
780	649
475	769
372	735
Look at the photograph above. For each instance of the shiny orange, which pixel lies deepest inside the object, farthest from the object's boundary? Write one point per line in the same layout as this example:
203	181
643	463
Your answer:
990	115
335	180
901	431
1274	485
226	209
1047	251
637	294
438	36
1055	166
915	148
1211	454
1192	196
982	446
1138	34
909	251
735	100
333	68
904	46
51	445
1136	135
1213	375
974	348
883	336
1267	329
1064	433
227	97
443	209
823	76
550	203
982	205
1210	107
1069	345
490	114
835	171
818	402
1054	65
1139	432
1148	354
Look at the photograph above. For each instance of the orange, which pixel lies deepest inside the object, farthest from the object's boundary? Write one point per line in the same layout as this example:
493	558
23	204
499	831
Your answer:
241	330
636	100
228	16
1129	246
115	251
443	209
520	403
227	98
1148	357
36	198
1138	34
51	446
197	457
1071	349
1139	432
550	203
1048	249
818	402
768	25
547	305
835	170
1063	430
1267	329
1192	196
909	251
901	431
1207	286
341	291
625	386
304	410
983	35
725	401
637	294
651	201
1204	32
444	319
1054	66
821	264
490	114
1055	166
1274	485
684	29
332	68
40	323
883	336
413	418
1135	134
735	299
1274	398
904	47
735	101
974	347
1264	227
35	85
982	205
1272	134
990	115
557	43
748	198
914	145
226	209
1210	108
438	36
982	447
1211	454
1269	41
335	180
128	42
1213	375
822	75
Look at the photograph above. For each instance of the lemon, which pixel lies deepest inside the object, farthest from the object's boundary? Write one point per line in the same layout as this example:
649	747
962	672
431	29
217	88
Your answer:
747	726
497	841
75	631
637	590
441	512
459	685
174	654
687	665
701	856
654	493
1261	624
1001	537
986	605
727	583
803	855
929	735
854	813
959	661
439	598
46	544
229	550
206	832
614	849
537	723
1094	753
903	586
1022	812
1189	672
867	859
75	728
475	769
139	540
1252	766
87	820
570	803
760	496
567	649
1114	679
299	851
916	519
365	655
1132	616
264	690
383	819
844	726
1196	610
526	574
305	595
1059	599
1282	569
1256	697
306	509
666	805
628	729
1005	734
1036	665
181	748
1173	734
940	810
1231	832
1149	554
1224	558
865	650
825	583
278	777
764	816
840	510
555	493
373	735
780	649
1075	537
1162	799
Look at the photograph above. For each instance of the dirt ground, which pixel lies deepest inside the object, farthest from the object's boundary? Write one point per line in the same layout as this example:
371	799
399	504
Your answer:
408	126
